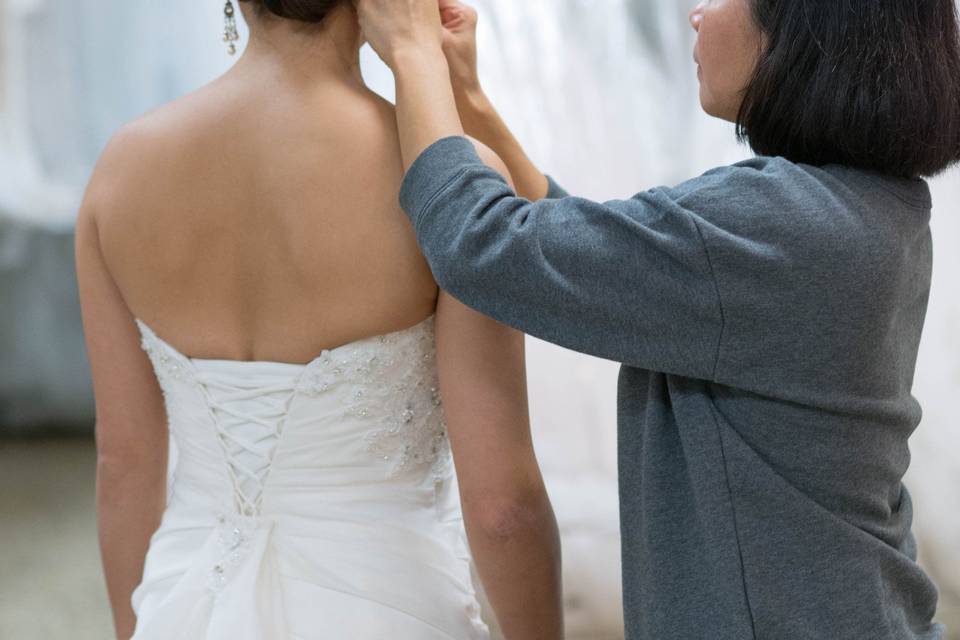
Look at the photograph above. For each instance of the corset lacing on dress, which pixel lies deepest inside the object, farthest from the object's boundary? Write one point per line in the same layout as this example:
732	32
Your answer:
248	456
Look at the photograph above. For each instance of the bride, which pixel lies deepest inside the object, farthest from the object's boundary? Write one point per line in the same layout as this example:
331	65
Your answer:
250	286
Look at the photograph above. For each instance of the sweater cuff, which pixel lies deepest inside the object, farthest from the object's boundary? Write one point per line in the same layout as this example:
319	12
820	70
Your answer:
439	165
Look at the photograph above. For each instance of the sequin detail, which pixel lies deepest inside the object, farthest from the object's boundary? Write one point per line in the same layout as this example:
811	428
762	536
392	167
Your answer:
416	438
234	535
392	382
167	366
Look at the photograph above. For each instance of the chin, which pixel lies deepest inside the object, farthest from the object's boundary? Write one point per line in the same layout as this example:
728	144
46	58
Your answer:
708	105
713	108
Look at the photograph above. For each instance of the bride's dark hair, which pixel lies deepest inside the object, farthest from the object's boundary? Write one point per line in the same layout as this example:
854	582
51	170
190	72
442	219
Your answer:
302	10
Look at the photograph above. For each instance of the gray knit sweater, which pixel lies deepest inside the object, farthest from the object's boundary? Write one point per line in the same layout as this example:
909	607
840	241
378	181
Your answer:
767	316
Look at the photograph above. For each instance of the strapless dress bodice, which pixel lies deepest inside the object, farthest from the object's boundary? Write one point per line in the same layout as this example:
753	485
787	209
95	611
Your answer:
299	485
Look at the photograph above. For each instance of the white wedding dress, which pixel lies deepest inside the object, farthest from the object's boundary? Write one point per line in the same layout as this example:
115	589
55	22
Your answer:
309	501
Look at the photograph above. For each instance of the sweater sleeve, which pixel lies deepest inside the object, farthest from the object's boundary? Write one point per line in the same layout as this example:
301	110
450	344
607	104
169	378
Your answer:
626	280
554	190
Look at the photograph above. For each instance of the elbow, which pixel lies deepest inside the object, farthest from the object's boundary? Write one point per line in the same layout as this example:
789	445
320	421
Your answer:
447	270
115	466
123	461
467	278
512	519
121	477
127	485
120	467
458	262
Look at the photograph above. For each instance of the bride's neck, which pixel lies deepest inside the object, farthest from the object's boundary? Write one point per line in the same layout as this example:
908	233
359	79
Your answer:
306	53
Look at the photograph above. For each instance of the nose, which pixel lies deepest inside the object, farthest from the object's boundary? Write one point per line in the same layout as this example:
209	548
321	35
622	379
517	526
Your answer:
696	16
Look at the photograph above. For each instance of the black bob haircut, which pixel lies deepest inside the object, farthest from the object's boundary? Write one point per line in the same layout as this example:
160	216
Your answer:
872	84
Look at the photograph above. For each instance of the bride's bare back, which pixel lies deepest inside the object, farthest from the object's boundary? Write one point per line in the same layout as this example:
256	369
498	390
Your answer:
257	219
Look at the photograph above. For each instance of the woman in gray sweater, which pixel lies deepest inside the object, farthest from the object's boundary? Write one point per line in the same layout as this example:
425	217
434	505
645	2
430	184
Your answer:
767	314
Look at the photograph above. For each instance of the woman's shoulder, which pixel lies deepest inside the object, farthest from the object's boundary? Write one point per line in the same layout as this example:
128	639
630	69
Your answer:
755	177
773	202
778	189
759	191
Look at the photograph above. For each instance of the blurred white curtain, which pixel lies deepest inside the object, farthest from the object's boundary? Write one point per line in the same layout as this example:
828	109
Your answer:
74	71
71	72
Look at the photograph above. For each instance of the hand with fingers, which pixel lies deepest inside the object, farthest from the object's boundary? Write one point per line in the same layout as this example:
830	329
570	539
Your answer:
399	27
478	115
460	45
431	46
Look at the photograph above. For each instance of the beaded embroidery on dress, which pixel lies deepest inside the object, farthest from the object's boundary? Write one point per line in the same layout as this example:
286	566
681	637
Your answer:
308	501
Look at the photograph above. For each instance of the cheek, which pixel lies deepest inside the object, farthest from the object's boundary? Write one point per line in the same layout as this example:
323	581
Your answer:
717	57
713	68
728	48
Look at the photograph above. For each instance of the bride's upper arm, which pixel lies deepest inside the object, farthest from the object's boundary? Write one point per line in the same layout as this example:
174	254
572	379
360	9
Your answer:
131	419
482	367
483	384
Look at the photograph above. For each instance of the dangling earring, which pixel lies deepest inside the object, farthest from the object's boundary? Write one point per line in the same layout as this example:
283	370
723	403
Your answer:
230	34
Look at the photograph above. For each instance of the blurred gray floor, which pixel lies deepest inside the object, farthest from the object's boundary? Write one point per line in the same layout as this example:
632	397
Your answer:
50	582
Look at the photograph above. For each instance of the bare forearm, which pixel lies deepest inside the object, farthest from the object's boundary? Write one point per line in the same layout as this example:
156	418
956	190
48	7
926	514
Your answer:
130	504
426	108
482	121
518	559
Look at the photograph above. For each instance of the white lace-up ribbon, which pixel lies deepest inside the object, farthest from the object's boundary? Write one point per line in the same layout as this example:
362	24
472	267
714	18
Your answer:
236	410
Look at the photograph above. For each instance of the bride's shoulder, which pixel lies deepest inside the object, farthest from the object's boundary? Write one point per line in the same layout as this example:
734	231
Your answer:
365	116
142	152
166	128
123	163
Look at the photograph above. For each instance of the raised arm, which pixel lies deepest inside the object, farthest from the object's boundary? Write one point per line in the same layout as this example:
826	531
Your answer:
131	429
408	36
509	520
479	117
629	280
